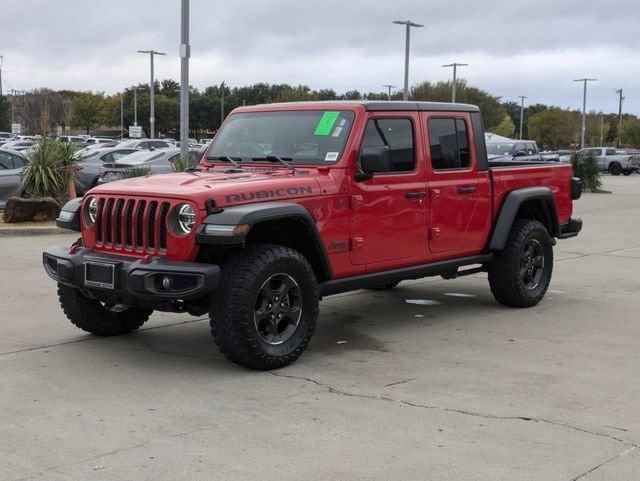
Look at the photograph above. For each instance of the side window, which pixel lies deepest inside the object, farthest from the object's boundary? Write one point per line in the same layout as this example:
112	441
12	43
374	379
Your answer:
5	161
448	144
531	149
158	144
611	152
397	135
107	158
118	154
18	162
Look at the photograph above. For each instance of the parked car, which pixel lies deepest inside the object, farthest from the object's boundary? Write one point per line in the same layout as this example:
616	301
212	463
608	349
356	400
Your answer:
19	145
154	162
299	201
145	144
7	136
11	164
92	162
74	139
520	150
612	161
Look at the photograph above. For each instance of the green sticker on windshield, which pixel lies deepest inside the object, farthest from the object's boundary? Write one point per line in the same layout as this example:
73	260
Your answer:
325	124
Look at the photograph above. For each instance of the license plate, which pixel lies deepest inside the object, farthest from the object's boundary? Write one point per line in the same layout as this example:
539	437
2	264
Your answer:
99	274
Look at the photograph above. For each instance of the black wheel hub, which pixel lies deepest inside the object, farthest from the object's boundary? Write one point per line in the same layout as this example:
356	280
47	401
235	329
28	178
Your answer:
278	309
532	264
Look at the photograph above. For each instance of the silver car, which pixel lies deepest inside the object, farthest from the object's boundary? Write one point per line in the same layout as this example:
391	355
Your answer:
11	165
92	162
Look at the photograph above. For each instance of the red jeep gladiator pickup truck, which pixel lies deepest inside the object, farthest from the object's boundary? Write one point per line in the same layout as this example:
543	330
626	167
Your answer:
297	201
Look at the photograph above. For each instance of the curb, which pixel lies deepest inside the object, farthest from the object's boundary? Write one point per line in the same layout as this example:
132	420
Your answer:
29	231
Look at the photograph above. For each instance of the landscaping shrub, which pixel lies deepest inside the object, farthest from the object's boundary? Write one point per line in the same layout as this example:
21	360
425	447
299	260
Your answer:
586	168
49	169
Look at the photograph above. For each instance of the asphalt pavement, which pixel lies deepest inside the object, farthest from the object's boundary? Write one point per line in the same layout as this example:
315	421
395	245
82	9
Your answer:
455	387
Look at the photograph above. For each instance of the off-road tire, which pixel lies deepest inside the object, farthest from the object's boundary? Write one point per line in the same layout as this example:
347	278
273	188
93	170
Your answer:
233	306
505	271
615	168
91	316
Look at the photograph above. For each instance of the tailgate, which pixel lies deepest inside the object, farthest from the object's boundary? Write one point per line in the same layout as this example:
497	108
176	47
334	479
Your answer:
556	177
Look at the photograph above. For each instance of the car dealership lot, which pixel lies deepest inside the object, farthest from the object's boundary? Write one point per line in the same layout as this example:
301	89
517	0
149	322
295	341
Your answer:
460	388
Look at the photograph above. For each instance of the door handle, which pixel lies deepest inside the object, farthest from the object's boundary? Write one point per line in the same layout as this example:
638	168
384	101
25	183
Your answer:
415	195
467	189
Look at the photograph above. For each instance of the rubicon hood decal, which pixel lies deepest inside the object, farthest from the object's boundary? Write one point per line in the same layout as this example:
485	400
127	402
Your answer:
268	194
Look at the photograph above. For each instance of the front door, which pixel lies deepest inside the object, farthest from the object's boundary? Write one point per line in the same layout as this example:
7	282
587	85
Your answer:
458	196
388	212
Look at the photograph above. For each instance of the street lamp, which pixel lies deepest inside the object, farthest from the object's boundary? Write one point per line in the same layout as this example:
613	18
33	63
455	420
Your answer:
152	105
584	106
522	97
408	24
389	87
185	53
455	66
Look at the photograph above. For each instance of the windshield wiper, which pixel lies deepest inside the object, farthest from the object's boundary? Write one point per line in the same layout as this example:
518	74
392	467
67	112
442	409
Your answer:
274	158
226	158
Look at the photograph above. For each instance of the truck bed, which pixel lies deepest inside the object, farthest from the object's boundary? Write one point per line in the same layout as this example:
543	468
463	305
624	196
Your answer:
555	176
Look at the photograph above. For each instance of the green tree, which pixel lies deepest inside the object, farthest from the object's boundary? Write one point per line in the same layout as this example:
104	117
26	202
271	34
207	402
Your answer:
491	109
506	128
630	133
554	127
87	110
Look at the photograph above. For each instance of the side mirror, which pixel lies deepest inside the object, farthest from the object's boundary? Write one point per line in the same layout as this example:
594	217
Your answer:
520	153
372	160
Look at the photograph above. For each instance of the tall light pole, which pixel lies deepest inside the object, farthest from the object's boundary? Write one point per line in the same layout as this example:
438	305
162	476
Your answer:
521	97
121	115
620	100
584	107
221	103
135	105
152	105
408	24
389	87
455	66
185	53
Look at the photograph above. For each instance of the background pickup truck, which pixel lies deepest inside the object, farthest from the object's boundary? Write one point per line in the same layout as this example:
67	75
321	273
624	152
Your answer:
296	201
612	161
520	150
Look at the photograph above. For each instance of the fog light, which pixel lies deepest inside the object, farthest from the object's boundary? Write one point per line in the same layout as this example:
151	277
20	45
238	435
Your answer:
166	283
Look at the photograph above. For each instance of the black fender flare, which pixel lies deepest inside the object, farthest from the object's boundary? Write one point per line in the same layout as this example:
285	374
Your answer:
69	216
509	210
253	214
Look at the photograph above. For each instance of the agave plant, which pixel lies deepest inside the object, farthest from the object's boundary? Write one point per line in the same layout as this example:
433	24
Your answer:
49	169
181	164
136	172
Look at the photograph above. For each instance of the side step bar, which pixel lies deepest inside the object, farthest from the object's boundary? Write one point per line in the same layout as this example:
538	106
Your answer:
450	267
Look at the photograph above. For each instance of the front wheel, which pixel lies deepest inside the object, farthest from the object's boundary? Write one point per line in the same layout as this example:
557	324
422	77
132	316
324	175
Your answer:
98	318
265	310
520	274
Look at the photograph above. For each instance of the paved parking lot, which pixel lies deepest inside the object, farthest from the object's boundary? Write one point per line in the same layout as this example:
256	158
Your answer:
462	390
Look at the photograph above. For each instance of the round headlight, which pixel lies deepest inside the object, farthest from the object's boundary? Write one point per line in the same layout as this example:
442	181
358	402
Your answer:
92	211
186	218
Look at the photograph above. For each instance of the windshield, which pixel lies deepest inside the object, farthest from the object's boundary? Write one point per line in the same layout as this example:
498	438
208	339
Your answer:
305	137
499	148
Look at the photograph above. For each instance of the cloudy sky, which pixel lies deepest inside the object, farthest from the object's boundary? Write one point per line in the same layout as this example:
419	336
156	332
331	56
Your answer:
534	48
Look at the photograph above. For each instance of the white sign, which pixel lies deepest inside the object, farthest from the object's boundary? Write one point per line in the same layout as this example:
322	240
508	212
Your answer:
135	131
16	129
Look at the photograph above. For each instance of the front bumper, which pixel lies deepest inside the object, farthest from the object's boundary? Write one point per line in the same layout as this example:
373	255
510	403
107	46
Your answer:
138	280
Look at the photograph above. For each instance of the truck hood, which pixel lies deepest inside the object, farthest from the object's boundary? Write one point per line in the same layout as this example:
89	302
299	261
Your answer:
225	188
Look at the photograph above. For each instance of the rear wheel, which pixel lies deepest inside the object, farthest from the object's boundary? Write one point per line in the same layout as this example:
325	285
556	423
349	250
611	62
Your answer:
98	318
265	310
519	275
615	169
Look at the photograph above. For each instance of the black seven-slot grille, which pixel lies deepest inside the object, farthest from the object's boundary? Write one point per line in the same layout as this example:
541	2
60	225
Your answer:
132	224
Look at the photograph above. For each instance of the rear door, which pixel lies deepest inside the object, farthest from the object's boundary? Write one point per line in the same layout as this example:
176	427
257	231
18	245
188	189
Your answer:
388	212
459	196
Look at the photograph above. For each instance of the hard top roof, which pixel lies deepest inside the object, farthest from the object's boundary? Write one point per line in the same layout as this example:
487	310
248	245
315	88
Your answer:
382	105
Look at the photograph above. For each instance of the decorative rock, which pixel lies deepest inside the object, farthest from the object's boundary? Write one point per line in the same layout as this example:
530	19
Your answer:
38	209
